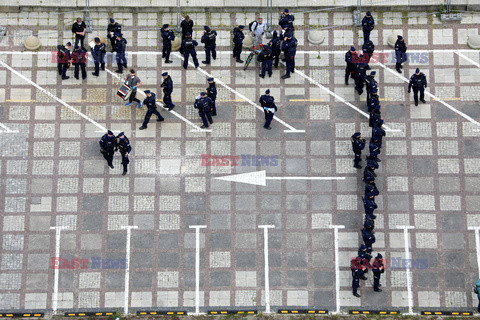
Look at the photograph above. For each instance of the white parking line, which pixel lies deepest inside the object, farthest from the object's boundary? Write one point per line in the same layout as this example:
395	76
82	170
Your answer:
387	128
58	230
407	264
51	95
290	128
127	269
337	266
432	96
477	244
467	58
197	128
267	268
197	267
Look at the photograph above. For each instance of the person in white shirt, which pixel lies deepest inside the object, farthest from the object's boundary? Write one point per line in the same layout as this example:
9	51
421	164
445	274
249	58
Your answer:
258	29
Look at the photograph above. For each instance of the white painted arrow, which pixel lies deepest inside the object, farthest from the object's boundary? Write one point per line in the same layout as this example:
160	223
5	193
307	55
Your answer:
260	178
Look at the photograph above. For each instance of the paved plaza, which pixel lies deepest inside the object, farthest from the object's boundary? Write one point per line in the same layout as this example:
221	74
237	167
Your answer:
53	175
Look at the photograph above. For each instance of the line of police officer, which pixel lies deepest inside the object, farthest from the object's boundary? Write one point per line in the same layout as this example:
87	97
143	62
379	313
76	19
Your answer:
361	264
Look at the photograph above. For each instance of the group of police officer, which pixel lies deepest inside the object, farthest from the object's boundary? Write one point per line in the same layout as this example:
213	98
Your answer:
362	262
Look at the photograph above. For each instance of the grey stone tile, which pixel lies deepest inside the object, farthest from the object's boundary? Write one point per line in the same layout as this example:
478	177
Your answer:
144	221
38	242
220	202
295	112
38	261
93	203
195	220
297	279
246	259
423	184
397	166
422	166
451	222
245	202
143	240
323	239
144	185
275	259
36	281
168	260
471	147
271	219
114	280
189	259
271	202
394	112
448	184
454	260
220	240
454	280
320	129
296	202
220	221
168	241
220	279
275	278
397	202
323	299
322	202
195	203
427	279
323	278
141	279
116	241
296	185
94	167
91	242
322	185
92	222
39	223
141	260
344	112
376	299
66	280
169	184
297	260
189	279
453	241
296	166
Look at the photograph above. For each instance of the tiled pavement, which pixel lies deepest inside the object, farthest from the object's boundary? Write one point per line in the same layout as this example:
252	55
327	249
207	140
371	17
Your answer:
53	175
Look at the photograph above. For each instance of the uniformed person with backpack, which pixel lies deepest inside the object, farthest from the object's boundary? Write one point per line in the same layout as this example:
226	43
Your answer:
289	46
286	21
212	94
209	38
400	53
266	58
276	48
203	105
167	86
98	54
107	147
151	103
269	108
238	37
79	60
167	37
112	29
63	60
358	272
418	82
358	144
188	48
370	84
350	59
120	47
359	74
123	145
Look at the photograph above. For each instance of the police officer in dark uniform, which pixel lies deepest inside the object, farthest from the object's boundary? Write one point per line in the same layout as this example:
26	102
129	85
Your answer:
371	187
212	94
360	73
369	205
369	174
370	83
63	60
209	38
266	58
276	44
167	37
123	145
112	29
375	117
107	147
203	104
151	103
167	86
188	46
418	82
377	269
358	272
98	54
351	59
289	47
365	256
369	224
238	37
373	103
400	53
120	46
79	60
377	131
286	21
368	48
368	24
358	144
78	29
368	237
374	147
269	108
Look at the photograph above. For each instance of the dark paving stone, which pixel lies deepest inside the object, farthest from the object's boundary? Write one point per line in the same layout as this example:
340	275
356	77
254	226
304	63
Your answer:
344	112
220	279
274	240
194	203
195	220
38	261
143	240
274	259
245	202
396	166
454	280
93	203
92	222
473	110
275	278
116	241
471	147
472	184
168	240
449	184
422	166
271	202
294	112
451	221
322	130
297	278
246	259
189	259
350	221
296	202
397	202
322	202
245	221
220	240
226	111
141	260
92	149
36	281
453	241
169	184
323	278
427	279
168	260
296	185
372	298
394	112
454	260
296	166
321	185
115	280
141	279
423	184
323	299
431	257
66	280
297	259
189	279
94	167
442	112
323	239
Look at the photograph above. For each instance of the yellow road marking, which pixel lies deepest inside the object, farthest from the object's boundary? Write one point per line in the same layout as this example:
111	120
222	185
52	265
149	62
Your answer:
20	100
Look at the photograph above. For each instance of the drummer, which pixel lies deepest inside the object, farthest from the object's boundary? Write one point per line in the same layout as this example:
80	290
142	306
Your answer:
133	82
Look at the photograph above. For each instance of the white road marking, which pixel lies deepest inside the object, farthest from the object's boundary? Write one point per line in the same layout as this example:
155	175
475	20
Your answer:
409	275
267	268
432	96
197	267
127	270
290	128
197	128
387	128
51	95
7	129
58	230
260	178
337	266
477	243
467	58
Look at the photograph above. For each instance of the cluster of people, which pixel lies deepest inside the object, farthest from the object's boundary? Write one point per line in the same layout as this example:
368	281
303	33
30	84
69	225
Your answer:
362	262
109	144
